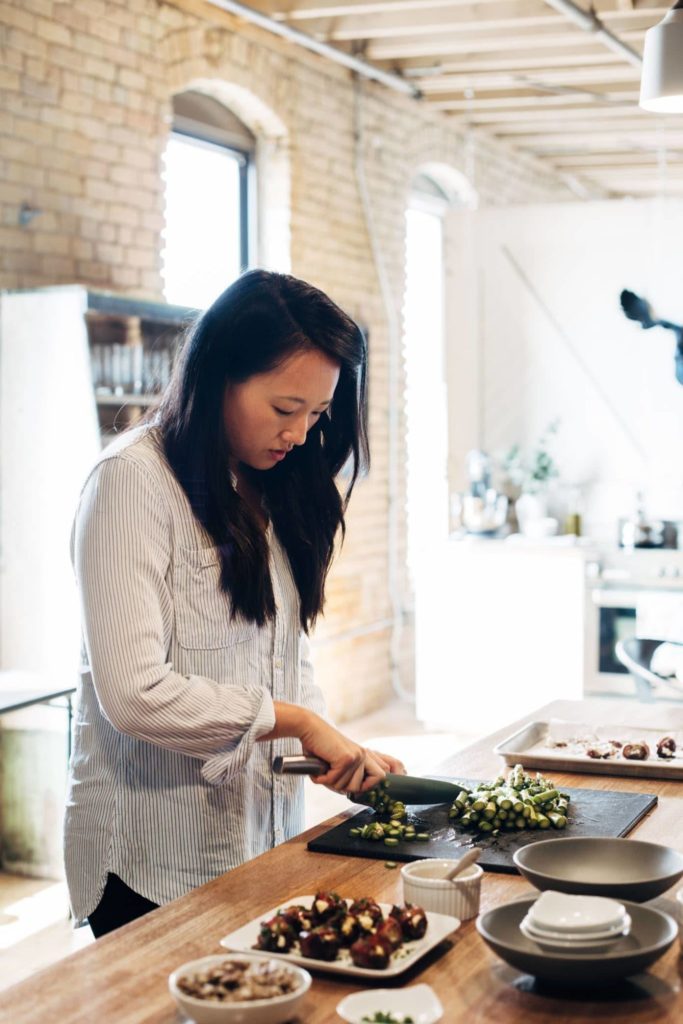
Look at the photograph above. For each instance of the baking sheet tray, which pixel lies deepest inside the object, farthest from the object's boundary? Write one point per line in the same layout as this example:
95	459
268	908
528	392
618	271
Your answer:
529	746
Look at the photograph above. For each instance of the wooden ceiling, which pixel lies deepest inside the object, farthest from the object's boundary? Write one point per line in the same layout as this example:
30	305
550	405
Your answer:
523	72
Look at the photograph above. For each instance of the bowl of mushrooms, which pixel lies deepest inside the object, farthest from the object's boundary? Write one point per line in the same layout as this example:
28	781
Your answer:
240	989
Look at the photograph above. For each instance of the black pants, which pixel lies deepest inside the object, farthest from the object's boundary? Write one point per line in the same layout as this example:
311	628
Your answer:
118	906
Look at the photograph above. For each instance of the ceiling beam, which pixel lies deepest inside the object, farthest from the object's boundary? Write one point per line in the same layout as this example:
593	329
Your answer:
462	21
607	160
572	126
448	45
558	142
501	120
529	62
548	79
316	10
548	100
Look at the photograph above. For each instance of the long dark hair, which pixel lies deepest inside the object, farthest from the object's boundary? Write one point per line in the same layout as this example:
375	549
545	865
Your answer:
257	323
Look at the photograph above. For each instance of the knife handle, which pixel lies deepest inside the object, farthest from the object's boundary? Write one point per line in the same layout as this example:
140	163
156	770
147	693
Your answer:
299	764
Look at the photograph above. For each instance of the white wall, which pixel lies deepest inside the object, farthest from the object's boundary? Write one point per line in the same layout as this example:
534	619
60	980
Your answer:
48	439
499	632
542	335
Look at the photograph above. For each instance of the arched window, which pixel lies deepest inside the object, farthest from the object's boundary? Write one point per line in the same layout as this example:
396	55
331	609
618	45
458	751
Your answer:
209	180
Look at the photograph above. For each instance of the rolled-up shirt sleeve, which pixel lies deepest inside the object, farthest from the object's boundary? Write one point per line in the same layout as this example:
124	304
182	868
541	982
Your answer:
121	549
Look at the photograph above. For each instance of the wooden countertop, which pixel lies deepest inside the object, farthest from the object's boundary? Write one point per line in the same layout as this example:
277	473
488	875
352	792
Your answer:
123	977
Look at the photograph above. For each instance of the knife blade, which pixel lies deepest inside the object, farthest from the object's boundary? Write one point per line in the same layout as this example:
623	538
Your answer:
409	789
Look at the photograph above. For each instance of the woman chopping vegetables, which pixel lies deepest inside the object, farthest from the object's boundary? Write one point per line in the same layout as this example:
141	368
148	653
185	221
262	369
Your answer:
201	546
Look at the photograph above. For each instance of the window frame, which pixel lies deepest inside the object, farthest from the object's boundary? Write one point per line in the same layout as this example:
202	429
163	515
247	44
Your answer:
245	161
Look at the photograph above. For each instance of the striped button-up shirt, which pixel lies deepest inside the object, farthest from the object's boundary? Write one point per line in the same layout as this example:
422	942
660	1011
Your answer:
168	788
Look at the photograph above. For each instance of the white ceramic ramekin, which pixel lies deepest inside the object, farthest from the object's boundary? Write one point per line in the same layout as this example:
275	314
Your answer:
424	884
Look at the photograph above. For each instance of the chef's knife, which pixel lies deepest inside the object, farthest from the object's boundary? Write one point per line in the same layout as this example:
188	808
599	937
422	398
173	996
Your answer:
409	789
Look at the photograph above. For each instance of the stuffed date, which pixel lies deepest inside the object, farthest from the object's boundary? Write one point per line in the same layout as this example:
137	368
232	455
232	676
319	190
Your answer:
347	928
391	930
276	935
412	919
636	751
321	943
326	905
371	951
666	748
367	912
298	917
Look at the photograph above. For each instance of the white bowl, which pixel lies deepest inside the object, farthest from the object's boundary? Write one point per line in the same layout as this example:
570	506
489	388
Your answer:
582	946
622	928
418	1001
562	912
277	1010
425	885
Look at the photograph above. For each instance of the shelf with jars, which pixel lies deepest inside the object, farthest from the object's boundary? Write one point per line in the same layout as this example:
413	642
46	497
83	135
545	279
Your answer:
133	344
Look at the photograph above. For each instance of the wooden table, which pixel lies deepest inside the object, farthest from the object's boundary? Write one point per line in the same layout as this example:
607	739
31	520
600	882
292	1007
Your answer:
123	977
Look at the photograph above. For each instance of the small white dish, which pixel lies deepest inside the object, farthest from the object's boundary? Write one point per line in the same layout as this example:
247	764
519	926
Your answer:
424	884
583	946
622	928
417	1001
563	912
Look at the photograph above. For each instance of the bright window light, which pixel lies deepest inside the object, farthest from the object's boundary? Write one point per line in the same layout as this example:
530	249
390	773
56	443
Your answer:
201	254
426	409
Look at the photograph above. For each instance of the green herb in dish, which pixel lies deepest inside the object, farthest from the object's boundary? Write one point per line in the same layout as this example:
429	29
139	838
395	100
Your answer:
380	1017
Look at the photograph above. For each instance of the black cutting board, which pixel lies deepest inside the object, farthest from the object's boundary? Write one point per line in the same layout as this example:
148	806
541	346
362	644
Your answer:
593	812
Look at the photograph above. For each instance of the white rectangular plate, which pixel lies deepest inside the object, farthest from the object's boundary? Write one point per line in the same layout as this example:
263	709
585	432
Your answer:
438	927
530	746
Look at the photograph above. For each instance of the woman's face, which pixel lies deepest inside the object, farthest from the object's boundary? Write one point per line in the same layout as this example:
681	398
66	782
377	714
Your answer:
271	412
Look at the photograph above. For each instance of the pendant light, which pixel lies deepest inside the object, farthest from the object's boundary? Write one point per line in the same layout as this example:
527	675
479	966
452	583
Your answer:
661	83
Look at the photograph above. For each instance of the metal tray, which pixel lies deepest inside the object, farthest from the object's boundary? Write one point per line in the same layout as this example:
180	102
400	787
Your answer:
528	747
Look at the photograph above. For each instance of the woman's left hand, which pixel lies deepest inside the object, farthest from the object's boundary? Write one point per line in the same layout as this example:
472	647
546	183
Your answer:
390	763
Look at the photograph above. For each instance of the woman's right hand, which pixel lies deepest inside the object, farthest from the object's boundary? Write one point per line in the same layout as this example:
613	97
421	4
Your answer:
353	769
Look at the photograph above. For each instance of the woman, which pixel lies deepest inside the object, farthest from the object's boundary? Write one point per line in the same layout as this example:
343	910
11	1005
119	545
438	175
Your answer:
201	546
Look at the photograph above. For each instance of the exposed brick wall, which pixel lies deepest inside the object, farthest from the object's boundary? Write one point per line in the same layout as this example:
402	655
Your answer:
85	109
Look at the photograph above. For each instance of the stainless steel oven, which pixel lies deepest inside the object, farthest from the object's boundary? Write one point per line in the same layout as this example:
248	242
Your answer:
613	591
611	616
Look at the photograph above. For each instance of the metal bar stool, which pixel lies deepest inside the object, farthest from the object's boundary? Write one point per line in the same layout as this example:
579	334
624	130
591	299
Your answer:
636	655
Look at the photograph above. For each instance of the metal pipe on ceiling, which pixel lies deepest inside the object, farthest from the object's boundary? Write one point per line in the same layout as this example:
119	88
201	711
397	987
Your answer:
293	35
589	22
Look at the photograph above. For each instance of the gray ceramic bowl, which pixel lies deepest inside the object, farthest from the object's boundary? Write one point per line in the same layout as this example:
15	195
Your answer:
625	869
652	932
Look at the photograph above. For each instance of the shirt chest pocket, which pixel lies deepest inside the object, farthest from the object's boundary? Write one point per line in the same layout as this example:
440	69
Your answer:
202	609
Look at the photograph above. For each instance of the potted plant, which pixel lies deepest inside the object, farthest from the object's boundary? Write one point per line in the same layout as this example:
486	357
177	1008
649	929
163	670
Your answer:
531	475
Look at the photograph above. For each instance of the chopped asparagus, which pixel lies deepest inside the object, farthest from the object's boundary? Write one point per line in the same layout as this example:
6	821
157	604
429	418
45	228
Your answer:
520	801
